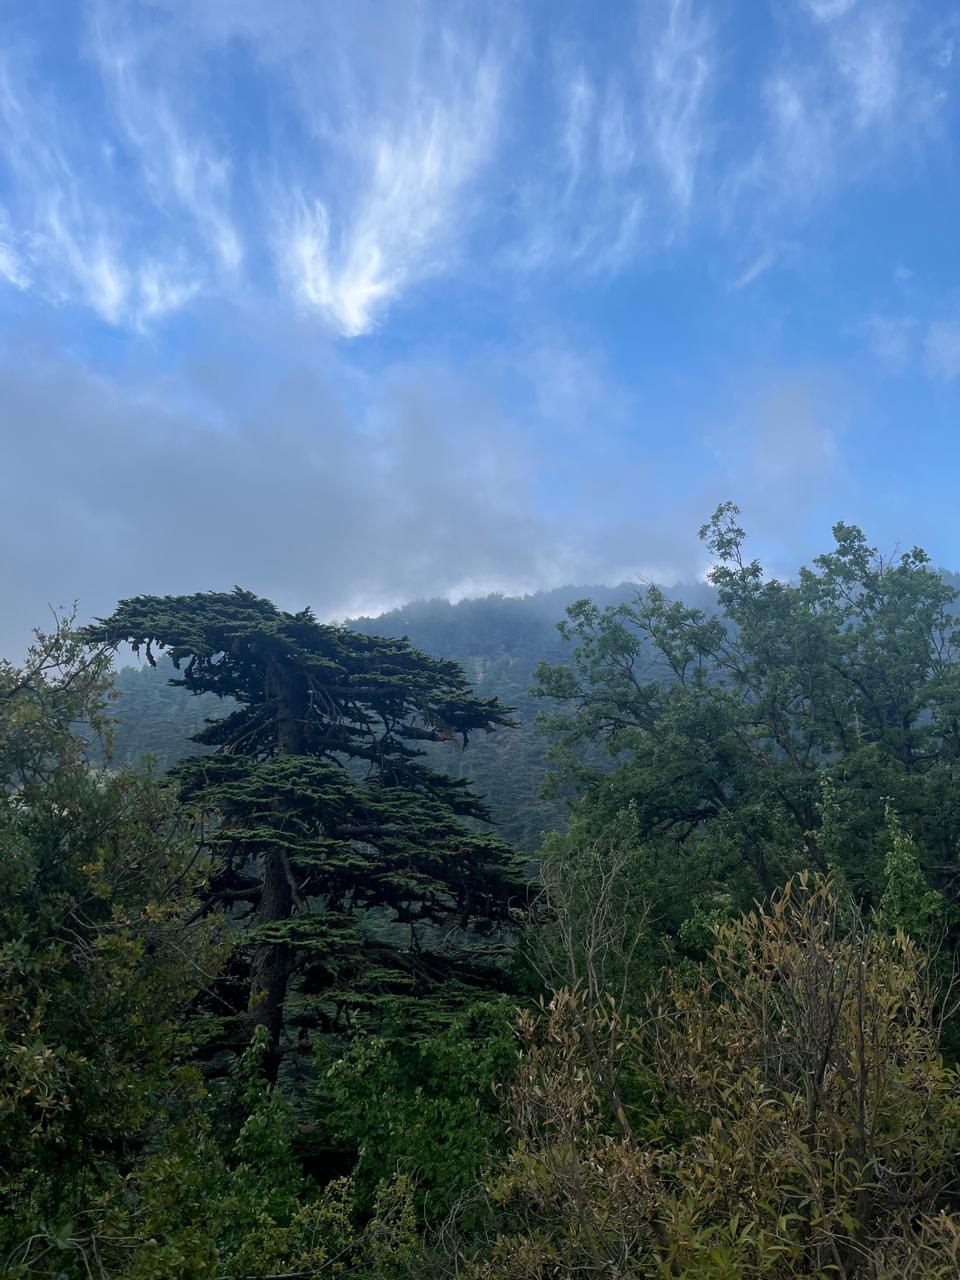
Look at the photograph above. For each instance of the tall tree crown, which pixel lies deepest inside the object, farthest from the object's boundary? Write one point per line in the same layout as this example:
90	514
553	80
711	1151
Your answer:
341	855
304	686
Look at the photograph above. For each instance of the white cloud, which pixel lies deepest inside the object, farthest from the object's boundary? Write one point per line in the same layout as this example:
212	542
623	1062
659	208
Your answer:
161	293
178	164
351	260
910	343
574	139
629	136
77	240
828	10
374	131
758	267
133	211
12	266
584	208
801	158
679	74
868	55
848	93
340	155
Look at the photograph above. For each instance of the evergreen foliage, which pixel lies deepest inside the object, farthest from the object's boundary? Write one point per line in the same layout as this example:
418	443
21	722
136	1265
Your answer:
724	1046
498	642
346	860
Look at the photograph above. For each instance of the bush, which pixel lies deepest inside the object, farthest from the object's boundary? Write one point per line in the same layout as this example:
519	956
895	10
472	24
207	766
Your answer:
803	1122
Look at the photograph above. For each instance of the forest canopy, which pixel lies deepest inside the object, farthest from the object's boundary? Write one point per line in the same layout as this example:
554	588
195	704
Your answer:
284	1001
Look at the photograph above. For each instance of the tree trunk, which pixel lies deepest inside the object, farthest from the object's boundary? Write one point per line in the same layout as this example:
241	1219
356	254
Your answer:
270	967
272	961
290	690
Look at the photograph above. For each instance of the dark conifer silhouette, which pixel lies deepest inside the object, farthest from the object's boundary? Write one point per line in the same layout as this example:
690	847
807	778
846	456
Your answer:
352	869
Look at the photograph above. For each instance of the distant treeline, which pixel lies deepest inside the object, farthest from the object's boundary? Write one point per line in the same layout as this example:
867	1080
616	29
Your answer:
498	640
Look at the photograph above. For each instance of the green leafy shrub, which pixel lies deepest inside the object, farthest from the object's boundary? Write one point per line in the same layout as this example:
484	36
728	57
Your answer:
809	1127
425	1108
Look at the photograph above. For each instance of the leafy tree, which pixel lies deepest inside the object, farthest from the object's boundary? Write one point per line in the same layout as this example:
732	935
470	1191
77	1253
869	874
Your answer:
96	963
427	1107
775	734
801	1121
350	864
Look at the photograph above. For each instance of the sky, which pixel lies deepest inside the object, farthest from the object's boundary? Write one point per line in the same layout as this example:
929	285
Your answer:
362	301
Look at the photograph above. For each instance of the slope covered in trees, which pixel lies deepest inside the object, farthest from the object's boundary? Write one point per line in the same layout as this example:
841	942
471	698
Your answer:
238	1037
497	640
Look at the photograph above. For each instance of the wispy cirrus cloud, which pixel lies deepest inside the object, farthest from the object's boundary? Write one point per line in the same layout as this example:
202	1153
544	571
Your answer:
891	338
624	147
335	157
584	205
927	343
12	266
179	167
678	77
74	233
399	225
354	183
828	10
759	266
853	86
868	57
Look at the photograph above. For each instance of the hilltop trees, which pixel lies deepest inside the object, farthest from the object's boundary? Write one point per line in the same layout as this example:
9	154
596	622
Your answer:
358	874
812	724
700	1090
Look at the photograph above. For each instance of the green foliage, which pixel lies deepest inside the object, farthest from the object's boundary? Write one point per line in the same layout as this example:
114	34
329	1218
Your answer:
774	734
425	1108
908	902
344	858
807	1123
324	1237
590	921
274	1218
96	959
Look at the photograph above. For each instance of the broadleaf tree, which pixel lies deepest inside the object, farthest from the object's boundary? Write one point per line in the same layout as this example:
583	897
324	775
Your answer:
802	723
97	963
356	875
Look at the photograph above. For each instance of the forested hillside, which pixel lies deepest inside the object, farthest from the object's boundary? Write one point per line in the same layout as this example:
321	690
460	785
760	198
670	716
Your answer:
297	1009
498	640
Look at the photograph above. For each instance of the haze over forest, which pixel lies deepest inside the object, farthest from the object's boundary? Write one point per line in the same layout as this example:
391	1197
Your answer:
499	297
480	640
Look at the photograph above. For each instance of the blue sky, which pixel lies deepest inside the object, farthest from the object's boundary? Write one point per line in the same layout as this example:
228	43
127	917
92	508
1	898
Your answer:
355	302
